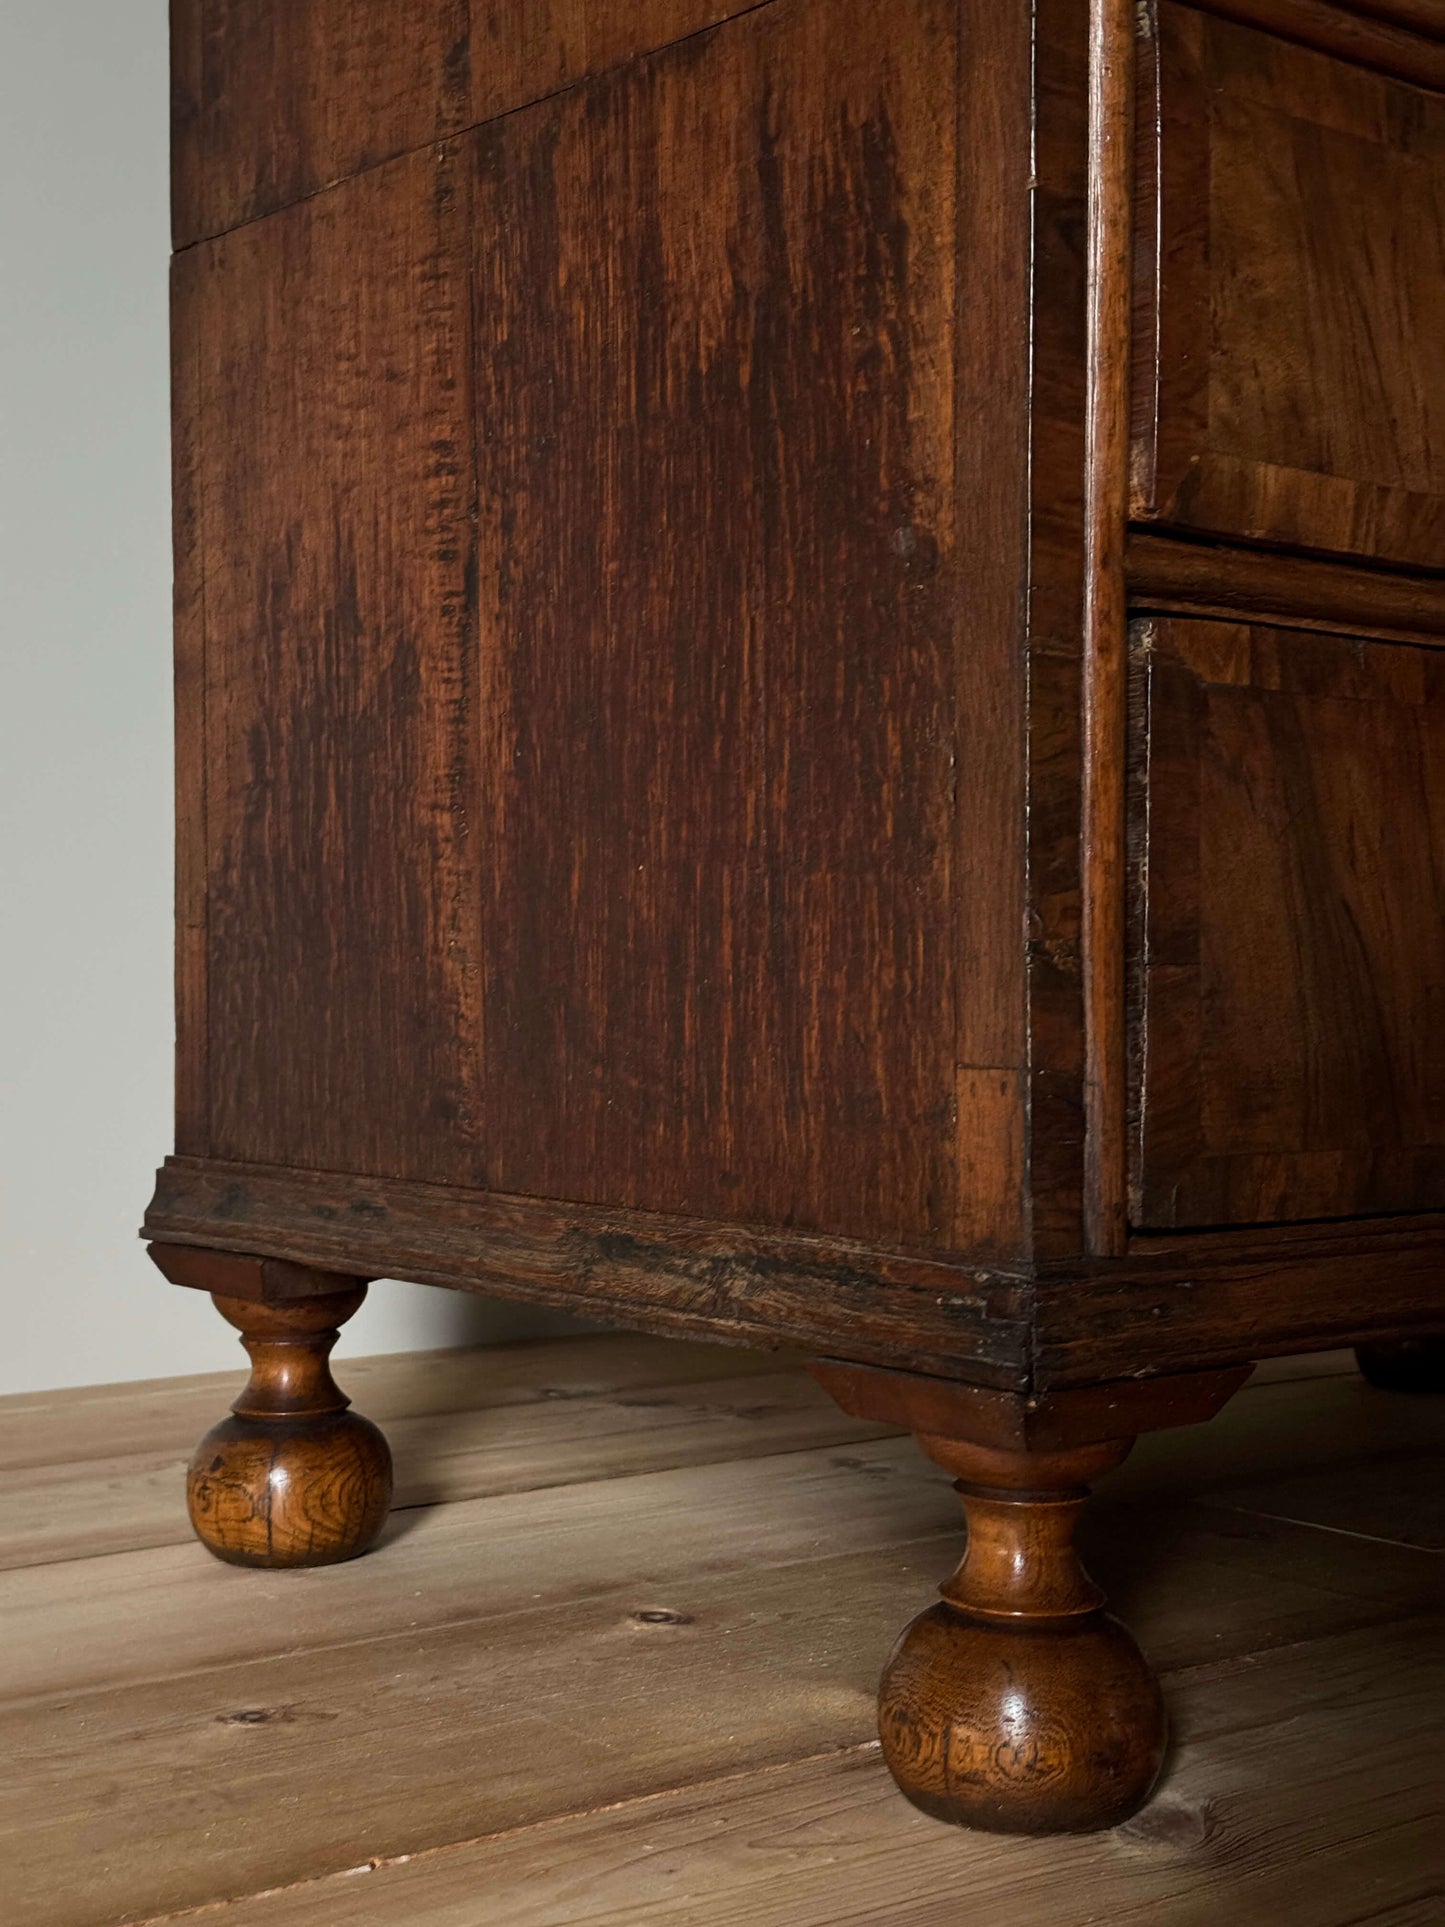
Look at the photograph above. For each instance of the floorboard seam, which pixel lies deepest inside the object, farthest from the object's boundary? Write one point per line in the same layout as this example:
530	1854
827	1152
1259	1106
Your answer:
1320	1525
385	1861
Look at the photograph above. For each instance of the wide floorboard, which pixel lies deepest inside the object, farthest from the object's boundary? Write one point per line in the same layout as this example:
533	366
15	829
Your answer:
614	1663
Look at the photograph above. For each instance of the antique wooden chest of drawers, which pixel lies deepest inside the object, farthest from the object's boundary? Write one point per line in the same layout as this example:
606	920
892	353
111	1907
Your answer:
812	711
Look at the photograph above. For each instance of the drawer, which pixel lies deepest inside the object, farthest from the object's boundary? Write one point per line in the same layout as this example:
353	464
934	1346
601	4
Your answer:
1288	950
1290	295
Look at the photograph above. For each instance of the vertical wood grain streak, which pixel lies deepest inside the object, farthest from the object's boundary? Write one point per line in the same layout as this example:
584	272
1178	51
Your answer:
340	626
719	626
992	351
1111	55
189	616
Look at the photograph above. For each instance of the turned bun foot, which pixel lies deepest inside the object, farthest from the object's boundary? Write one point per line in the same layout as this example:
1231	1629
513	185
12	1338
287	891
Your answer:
1011	1729
292	1478
1409	1365
1018	1705
307	1494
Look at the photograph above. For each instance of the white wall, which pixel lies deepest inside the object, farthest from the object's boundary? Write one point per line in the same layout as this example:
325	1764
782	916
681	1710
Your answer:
85	743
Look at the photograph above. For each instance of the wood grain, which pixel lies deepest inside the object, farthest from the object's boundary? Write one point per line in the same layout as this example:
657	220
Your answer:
992	359
188	605
716	452
1110	243
1289	1062
315	1695
1399	37
292	1478
1200	1298
654	876
1058	334
1317	1818
1015	1704
165	1611
473	1558
523	49
341	706
1295	271
275	99
640	1268
51	1429
123	1502
1214	579
1215	1296
684	965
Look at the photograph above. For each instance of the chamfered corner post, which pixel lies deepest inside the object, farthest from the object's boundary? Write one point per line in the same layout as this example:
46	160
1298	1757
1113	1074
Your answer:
293	1477
1017	1704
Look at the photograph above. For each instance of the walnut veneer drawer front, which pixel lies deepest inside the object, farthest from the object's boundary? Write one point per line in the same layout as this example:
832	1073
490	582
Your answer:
1290	825
1291	271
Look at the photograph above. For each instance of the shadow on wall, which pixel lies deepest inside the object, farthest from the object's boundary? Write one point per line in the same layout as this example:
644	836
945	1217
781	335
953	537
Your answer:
401	1317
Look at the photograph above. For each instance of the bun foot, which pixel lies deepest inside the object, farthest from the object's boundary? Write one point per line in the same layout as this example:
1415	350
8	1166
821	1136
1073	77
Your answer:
1013	1729
307	1494
1018	1705
292	1478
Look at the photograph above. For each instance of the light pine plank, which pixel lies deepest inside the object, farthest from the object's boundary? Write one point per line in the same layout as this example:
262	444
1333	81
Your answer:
93	1625
167	1415
1399	1498
642	1403
244	1772
1305	1794
1304	1426
179	1733
164	1416
115	1504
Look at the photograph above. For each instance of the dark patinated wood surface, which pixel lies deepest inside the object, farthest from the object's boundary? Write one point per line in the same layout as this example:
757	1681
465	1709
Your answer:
1105	666
275	100
1405	38
1048	680
1285	385
230	1274
336	489
1040	1423
718	612
1207	1297
1290	825
649	596
1199	1298
572	821
665	1274
1294	591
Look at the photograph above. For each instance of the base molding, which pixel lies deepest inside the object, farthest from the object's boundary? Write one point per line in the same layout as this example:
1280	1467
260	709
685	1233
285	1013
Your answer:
1170	1306
1043	1422
238	1275
673	1276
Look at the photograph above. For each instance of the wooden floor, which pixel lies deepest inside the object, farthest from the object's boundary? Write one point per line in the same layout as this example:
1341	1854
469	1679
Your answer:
615	1659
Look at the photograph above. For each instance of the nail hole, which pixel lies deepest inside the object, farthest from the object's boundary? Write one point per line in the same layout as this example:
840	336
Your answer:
661	1616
